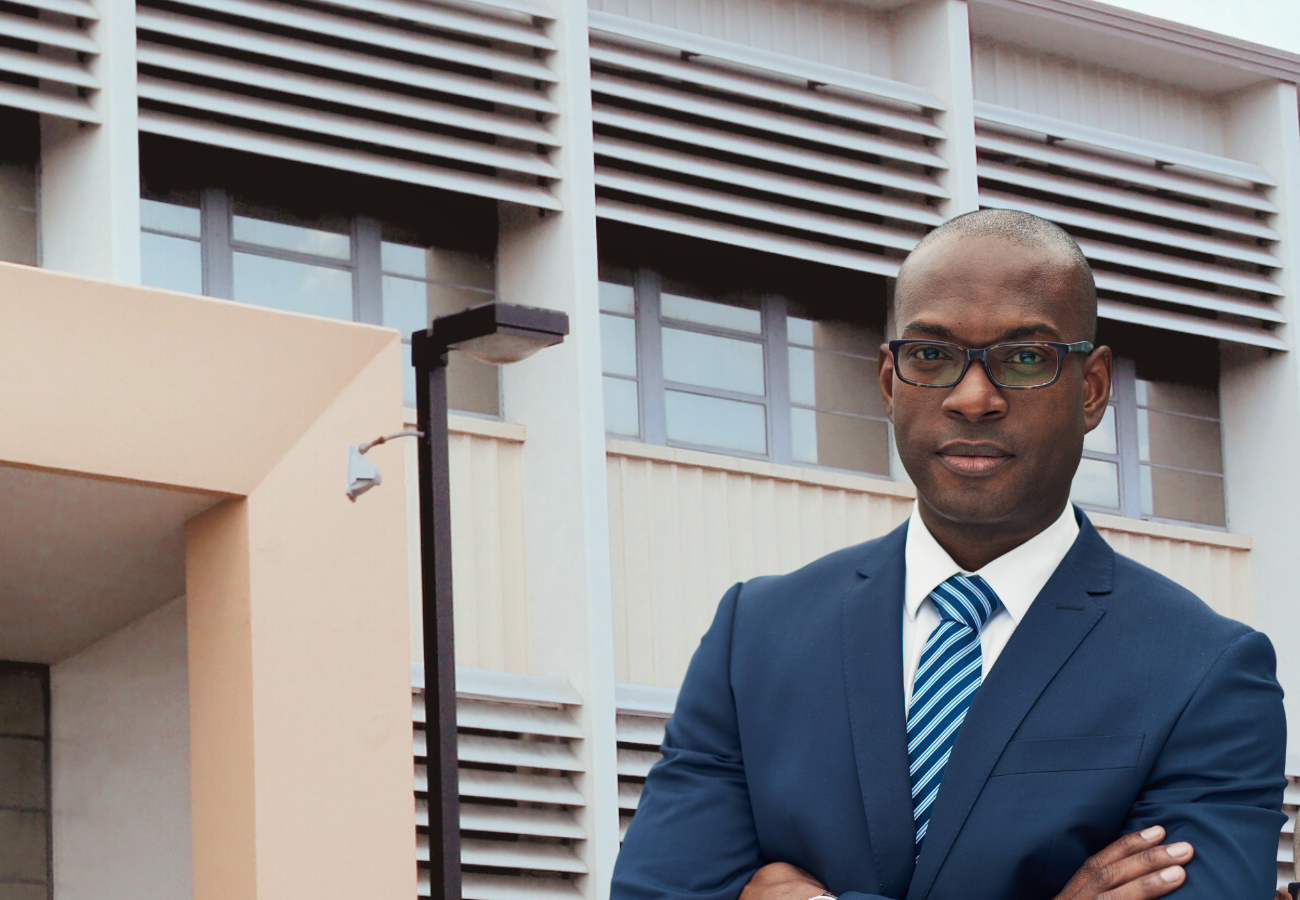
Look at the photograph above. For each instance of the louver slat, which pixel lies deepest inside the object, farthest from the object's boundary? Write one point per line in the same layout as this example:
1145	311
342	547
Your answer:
444	93
639	727
520	832
720	141
1285	847
1178	240
55	48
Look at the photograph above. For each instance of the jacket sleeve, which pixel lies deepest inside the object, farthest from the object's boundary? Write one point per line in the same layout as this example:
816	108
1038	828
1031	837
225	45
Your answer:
693	836
1218	780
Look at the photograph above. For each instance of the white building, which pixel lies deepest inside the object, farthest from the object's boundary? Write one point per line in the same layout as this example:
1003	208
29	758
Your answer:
718	193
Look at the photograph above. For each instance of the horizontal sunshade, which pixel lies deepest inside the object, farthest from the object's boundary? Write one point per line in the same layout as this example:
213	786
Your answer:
520	832
452	96
1178	239
46	63
713	139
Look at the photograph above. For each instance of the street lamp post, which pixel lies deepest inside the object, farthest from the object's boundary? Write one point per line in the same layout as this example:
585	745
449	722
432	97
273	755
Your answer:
497	333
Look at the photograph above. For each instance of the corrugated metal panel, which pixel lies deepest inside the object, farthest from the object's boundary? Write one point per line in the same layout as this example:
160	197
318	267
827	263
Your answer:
452	95
685	526
520	837
760	149
1092	95
48	61
1178	239
846	35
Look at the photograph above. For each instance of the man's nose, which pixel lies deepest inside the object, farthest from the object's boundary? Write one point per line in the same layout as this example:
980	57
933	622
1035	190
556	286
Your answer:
975	397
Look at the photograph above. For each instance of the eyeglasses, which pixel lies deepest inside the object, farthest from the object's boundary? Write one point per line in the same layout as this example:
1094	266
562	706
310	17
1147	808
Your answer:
1018	365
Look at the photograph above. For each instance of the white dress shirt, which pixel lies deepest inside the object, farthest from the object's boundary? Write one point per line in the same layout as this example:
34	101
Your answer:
1016	577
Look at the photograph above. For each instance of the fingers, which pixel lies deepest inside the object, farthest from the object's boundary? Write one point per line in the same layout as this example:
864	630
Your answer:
1148	887
1128	845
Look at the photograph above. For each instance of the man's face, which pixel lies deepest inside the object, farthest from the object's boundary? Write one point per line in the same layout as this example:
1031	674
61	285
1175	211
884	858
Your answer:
978	453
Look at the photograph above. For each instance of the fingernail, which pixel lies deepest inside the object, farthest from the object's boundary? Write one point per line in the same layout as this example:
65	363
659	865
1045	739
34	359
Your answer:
1178	851
1172	874
1153	832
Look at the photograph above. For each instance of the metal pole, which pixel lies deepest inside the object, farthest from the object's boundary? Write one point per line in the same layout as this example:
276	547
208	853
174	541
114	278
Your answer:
436	605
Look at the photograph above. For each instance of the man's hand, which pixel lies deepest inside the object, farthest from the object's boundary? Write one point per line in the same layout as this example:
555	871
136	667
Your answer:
782	881
1135	867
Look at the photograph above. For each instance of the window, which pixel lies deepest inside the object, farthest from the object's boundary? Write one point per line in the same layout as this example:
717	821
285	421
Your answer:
256	243
1157	454
19	153
744	372
24	782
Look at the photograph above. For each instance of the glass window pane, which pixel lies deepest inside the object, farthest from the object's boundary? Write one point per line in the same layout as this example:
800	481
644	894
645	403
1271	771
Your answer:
169	217
473	386
22	702
711	361
296	238
1184	398
171	263
621	414
18	235
1179	441
23	852
1185	496
1096	483
22	772
618	345
24	892
843	442
1102	438
844	337
293	286
437	264
709	312
835	382
715	422
410	305
617	298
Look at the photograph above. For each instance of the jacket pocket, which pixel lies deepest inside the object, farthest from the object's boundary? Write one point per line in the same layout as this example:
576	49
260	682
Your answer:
1115	751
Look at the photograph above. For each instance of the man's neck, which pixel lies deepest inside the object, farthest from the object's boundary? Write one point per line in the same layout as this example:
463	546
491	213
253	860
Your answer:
974	546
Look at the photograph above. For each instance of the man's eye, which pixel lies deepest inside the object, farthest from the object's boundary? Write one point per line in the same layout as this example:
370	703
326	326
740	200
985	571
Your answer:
1028	357
928	354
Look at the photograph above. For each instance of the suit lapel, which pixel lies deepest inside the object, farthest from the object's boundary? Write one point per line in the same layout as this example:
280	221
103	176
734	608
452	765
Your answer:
1057	622
872	646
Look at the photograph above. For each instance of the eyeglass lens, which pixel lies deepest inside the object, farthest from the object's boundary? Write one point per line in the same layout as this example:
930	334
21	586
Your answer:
1020	364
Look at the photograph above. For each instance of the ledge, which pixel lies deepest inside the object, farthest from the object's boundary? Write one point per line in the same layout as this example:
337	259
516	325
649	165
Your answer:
1185	533
479	426
739	465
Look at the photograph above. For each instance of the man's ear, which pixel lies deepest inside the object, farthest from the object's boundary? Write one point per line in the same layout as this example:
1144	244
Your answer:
1098	368
885	375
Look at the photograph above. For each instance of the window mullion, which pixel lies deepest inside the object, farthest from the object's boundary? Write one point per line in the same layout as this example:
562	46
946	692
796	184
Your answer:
779	441
218	258
367	276
650	358
1126	423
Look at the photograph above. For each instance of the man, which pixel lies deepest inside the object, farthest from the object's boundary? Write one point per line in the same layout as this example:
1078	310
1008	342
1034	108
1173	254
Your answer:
987	703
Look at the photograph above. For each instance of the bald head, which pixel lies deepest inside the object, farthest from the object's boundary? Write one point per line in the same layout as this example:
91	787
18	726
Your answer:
1020	228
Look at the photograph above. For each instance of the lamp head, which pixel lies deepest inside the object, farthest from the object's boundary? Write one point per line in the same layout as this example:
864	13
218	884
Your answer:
362	474
496	333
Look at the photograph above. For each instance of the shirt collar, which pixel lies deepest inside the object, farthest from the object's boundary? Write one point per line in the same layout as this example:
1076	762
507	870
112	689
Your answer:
1016	576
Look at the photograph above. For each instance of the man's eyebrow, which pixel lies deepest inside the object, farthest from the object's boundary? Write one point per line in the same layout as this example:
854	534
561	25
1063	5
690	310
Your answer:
1020	332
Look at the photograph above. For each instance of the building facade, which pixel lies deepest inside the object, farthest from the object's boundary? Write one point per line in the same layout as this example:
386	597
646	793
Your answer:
221	220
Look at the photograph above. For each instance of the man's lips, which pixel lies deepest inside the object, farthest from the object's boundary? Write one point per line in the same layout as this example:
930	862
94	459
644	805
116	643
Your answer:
973	459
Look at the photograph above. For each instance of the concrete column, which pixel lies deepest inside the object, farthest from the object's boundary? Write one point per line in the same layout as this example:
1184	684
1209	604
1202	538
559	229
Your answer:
550	261
1259	395
931	48
90	174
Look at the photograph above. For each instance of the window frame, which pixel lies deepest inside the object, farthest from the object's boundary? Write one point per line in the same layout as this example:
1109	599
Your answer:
47	742
652	386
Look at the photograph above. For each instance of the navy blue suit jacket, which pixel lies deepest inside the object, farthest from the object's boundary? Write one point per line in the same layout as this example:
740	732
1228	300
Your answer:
1121	701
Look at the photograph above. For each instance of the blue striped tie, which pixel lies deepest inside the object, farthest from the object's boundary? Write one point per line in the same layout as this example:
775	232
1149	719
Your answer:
946	679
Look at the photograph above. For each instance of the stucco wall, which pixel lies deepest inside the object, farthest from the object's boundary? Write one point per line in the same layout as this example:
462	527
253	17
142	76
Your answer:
119	721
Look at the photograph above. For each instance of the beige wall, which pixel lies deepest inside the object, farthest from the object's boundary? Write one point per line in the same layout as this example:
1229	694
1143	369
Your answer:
297	631
119	723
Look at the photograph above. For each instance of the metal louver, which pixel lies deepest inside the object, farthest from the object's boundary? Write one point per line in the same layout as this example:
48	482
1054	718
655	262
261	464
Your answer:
1290	806
46	52
518	827
1177	239
450	94
724	142
639	727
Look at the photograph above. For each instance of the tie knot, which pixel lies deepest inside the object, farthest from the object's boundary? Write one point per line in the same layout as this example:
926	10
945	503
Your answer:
966	599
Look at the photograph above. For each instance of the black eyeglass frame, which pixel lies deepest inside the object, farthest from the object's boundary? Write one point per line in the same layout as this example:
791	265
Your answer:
982	354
